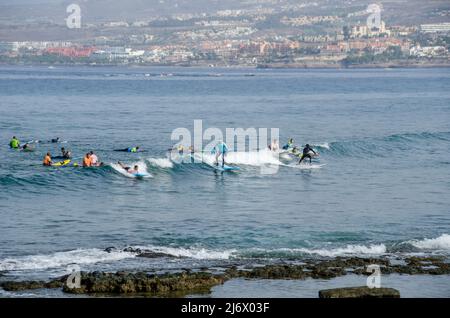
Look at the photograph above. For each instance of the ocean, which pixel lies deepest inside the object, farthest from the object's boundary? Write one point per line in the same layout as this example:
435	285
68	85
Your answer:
379	187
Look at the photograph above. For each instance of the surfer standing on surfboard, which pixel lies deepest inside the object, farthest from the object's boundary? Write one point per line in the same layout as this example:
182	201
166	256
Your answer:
220	150
306	153
274	145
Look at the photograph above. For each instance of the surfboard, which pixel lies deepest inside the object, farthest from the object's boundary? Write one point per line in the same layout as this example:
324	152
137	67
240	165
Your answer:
138	175
61	163
60	158
141	175
226	168
305	165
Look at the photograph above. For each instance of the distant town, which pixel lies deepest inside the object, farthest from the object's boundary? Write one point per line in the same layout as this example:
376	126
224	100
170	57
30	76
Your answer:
230	38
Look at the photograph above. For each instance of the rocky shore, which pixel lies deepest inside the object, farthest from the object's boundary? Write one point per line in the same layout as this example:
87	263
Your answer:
191	281
359	292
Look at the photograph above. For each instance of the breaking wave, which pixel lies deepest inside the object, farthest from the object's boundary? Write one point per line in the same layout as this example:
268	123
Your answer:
440	243
62	259
161	162
95	255
189	252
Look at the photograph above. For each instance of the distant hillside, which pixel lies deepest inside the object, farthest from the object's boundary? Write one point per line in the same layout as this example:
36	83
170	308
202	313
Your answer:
45	19
395	11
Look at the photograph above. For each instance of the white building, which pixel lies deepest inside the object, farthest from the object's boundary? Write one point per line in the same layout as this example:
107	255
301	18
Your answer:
35	45
428	51
435	28
359	31
118	53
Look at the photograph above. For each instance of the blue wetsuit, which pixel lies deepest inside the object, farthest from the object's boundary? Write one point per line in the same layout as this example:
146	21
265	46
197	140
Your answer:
220	150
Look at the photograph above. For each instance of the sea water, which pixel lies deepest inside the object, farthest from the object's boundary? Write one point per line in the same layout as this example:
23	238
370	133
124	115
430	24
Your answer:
379	187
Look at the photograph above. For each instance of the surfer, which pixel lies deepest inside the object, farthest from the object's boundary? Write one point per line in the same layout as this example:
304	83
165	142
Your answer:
220	149
55	140
307	153
133	170
27	147
14	143
274	145
289	144
87	162
129	149
94	160
47	159
296	152
66	154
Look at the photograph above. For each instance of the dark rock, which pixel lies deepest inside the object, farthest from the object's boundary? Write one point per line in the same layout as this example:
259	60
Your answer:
110	249
132	250
149	254
24	285
27	285
324	272
270	272
57	283
160	283
353	262
359	292
121	273
143	283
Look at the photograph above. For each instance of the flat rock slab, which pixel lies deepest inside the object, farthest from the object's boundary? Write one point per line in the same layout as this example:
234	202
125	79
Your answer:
359	292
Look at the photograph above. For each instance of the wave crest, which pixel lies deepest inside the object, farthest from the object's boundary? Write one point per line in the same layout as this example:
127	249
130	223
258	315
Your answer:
440	243
62	259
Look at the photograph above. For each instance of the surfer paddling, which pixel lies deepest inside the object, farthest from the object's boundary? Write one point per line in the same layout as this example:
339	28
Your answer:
133	170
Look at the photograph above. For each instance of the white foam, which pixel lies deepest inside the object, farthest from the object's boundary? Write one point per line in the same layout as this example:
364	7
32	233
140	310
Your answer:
342	251
440	243
161	162
255	158
62	259
325	145
251	158
190	252
353	250
203	253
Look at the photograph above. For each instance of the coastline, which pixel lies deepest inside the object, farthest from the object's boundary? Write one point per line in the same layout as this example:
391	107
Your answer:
221	282
293	66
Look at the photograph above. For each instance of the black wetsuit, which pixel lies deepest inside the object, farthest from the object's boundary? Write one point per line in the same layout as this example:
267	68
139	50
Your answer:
306	154
65	155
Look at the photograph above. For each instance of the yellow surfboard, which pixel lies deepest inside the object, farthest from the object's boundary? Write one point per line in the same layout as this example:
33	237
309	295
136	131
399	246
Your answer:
61	163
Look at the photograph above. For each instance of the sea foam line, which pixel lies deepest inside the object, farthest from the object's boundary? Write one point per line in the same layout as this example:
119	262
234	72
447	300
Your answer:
189	252
94	255
348	250
62	259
